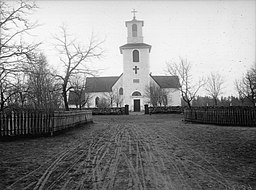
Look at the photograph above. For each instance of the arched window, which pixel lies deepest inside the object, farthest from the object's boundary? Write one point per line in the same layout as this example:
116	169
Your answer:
97	99
134	30
135	56
136	93
121	91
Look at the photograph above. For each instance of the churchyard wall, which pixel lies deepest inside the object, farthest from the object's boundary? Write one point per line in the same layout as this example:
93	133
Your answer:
107	111
165	109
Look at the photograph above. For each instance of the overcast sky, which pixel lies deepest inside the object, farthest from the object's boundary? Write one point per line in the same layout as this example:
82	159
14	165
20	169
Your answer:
215	36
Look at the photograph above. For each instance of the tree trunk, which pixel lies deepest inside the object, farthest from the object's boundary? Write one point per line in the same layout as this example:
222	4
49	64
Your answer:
215	101
189	104
2	106
2	101
64	94
65	101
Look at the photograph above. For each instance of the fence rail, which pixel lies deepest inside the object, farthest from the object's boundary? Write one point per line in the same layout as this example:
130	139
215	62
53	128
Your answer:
237	116
24	123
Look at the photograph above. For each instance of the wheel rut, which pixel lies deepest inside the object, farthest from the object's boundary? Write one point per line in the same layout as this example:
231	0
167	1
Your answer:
124	156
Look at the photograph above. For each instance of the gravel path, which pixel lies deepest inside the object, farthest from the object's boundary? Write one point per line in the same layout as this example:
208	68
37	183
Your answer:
120	152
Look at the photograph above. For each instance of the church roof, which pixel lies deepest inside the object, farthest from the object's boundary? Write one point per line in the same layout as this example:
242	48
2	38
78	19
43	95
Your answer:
100	84
134	46
167	81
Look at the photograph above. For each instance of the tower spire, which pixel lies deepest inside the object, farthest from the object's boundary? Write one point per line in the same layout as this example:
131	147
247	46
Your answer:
134	12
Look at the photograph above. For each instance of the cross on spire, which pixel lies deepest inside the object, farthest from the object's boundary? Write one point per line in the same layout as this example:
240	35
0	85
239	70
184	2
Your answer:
134	12
136	69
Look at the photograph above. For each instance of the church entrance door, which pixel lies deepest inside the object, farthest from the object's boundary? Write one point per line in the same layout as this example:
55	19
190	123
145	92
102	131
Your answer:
136	105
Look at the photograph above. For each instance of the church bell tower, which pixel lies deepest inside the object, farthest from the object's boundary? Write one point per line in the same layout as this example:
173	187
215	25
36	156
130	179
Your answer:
135	65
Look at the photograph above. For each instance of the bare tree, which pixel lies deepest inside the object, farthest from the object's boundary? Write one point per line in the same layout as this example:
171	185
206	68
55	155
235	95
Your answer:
9	93
87	99
156	96
14	92
110	97
18	91
43	90
118	98
103	103
151	93
163	97
246	88
214	86
79	90
74	57
187	88
114	97
14	26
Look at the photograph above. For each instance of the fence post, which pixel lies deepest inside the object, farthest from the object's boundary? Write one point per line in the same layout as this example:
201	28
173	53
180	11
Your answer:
126	110
146	109
52	123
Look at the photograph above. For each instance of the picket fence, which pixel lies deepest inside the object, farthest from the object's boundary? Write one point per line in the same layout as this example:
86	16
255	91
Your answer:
236	116
24	123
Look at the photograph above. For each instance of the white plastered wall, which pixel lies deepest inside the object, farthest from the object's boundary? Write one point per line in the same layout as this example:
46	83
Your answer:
94	95
129	75
173	97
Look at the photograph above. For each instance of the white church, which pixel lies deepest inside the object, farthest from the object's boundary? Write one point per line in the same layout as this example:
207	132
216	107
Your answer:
132	85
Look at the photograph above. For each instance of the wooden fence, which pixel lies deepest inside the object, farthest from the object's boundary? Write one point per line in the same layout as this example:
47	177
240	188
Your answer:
237	116
24	123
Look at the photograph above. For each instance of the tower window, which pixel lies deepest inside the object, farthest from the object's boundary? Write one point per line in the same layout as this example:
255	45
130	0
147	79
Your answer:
134	30
121	91
135	56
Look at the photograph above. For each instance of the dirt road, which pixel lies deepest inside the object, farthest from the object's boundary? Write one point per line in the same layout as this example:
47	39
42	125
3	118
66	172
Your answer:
121	152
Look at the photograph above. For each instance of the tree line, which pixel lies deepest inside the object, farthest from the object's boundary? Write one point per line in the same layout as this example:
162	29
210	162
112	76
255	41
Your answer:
214	86
204	101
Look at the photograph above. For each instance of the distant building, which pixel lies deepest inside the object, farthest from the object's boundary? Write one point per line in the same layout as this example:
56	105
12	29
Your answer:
132	85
